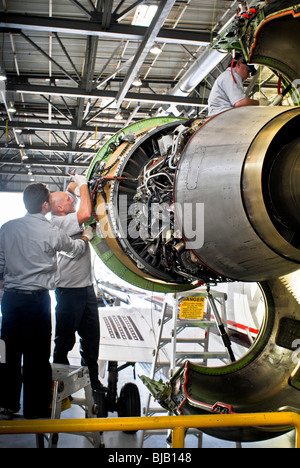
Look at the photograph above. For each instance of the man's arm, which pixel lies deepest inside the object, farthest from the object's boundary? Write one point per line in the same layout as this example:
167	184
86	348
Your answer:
85	208
73	248
234	90
246	102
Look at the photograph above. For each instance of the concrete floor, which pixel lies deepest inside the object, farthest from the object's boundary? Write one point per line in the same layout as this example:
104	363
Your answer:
121	440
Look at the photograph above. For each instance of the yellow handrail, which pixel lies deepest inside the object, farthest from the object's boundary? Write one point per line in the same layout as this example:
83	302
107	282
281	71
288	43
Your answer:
177	423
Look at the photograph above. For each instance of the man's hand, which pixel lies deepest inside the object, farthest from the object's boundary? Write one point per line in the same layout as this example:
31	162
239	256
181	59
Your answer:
74	189
79	179
263	102
88	234
77	192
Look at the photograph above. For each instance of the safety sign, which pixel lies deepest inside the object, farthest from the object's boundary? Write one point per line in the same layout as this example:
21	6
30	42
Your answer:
192	308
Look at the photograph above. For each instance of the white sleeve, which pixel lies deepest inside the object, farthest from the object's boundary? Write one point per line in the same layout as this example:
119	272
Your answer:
68	224
234	91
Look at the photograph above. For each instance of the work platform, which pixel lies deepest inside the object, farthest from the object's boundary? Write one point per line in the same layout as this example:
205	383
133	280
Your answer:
67	381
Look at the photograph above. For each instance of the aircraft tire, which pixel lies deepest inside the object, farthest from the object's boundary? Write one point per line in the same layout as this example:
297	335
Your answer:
129	402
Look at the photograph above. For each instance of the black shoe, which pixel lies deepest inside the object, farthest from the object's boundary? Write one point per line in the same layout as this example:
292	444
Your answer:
7	414
100	388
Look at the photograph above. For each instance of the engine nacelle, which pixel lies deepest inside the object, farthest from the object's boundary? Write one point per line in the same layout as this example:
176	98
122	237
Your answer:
178	204
244	166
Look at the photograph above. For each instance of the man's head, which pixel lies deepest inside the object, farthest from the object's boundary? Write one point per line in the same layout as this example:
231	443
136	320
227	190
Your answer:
37	199
62	204
243	68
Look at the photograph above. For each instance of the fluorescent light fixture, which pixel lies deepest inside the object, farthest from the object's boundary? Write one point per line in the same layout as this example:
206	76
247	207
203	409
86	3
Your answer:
3	76
119	116
11	108
91	142
155	50
144	15
137	81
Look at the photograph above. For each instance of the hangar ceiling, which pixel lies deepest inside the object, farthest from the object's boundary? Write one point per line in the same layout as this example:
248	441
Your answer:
72	67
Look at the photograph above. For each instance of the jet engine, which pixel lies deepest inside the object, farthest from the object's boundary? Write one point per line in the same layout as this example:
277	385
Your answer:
178	204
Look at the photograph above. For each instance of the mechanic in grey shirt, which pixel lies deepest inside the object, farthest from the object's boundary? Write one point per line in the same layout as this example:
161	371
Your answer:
228	91
28	248
77	306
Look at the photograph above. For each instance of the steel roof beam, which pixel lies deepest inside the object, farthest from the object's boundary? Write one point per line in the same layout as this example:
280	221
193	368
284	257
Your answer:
14	78
96	94
161	15
107	13
24	171
15	23
58	127
52	163
127	10
81	8
47	56
56	149
56	108
16	185
67	55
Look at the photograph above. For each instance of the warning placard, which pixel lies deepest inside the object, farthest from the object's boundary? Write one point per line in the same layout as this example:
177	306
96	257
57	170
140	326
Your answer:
192	308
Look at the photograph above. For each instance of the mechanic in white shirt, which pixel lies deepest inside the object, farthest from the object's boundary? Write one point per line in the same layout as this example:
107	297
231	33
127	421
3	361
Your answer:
28	248
77	305
228	90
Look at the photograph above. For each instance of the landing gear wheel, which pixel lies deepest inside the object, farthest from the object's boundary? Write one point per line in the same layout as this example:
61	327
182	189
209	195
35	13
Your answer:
129	403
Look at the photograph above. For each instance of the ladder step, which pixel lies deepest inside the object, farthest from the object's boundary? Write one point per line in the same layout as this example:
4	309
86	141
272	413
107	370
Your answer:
156	410
199	323
164	341
204	355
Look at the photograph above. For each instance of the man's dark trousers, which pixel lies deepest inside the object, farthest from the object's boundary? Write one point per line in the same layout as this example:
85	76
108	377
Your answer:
26	331
77	311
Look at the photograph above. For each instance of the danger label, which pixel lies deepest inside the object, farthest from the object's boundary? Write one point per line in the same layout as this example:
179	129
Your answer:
192	308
